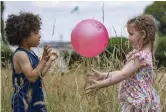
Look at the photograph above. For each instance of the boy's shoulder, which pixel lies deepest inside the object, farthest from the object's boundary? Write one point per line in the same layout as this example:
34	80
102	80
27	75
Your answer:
20	55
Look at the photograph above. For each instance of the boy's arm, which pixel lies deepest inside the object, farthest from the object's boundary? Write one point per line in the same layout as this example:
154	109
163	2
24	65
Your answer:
26	67
53	56
47	66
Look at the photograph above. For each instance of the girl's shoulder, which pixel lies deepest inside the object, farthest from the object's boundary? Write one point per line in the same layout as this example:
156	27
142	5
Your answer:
145	55
139	53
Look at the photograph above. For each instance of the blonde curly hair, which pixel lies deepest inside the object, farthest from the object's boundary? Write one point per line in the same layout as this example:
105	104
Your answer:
148	24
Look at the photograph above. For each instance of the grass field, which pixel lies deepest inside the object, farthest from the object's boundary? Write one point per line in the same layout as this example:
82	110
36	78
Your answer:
64	92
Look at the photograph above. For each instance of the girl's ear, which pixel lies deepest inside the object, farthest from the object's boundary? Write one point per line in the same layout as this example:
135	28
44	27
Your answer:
143	34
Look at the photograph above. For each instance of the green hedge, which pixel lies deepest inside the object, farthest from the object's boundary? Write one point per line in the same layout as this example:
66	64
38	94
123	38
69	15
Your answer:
119	47
161	52
6	54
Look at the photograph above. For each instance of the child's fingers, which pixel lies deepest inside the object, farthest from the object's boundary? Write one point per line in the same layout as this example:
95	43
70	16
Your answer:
90	93
47	57
96	72
55	54
49	51
89	75
89	88
93	81
46	47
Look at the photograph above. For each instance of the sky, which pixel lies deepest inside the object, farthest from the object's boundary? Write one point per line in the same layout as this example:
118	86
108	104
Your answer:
116	14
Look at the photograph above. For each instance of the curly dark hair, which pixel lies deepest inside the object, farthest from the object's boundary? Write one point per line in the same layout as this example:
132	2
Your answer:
19	27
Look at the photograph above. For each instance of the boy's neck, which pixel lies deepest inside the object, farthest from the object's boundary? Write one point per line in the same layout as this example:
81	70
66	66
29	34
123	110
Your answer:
25	46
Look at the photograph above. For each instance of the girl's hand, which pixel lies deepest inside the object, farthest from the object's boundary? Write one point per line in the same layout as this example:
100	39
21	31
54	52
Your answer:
93	88
96	75
93	80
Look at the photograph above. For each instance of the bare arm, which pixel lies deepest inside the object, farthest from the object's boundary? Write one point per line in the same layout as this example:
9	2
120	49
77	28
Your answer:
26	67
100	75
109	74
53	56
47	66
129	69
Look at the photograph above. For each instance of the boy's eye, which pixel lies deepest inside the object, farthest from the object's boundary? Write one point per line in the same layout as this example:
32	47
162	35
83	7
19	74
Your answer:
36	32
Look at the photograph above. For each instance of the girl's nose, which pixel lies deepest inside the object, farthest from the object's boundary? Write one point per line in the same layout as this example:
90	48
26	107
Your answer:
129	37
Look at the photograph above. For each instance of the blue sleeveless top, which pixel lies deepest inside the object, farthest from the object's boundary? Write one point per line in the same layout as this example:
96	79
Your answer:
27	96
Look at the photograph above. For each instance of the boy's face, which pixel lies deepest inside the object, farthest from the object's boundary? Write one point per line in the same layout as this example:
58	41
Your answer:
34	39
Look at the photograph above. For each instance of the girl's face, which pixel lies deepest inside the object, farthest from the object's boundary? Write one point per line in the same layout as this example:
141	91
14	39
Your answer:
134	36
34	39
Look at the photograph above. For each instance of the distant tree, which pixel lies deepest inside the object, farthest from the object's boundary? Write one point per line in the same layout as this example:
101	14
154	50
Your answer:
2	23
158	10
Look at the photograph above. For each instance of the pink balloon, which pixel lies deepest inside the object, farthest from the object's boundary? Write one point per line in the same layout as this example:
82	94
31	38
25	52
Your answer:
89	38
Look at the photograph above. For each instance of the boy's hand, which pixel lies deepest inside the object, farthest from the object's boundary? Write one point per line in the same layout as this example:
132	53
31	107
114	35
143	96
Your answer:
46	52
53	56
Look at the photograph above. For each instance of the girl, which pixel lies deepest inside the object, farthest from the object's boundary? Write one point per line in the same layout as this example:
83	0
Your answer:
136	92
27	70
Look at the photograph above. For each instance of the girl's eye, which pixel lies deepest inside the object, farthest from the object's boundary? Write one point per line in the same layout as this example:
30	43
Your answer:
131	33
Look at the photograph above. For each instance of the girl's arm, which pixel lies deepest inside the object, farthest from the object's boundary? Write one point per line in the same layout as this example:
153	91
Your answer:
129	69
100	75
109	74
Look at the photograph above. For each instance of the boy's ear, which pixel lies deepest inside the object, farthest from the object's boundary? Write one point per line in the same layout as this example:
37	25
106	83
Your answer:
143	34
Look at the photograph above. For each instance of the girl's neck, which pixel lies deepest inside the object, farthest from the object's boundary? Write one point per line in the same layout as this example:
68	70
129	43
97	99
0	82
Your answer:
147	47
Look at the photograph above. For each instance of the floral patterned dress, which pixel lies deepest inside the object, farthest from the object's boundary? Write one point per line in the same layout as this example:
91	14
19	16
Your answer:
136	93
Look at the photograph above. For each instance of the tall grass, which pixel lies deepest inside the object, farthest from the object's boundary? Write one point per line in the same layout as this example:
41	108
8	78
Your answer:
64	92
